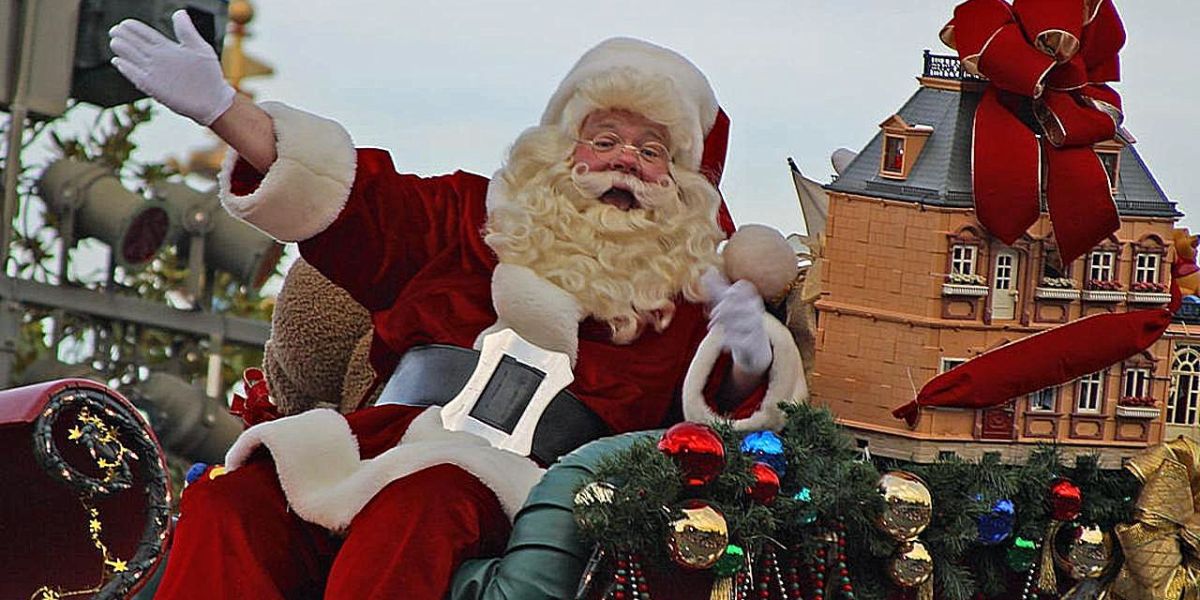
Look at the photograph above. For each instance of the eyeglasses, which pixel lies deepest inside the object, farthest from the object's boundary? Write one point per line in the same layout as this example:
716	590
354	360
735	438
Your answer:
649	153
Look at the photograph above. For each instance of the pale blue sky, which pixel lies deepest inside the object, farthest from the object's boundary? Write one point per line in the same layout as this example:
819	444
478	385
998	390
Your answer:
449	84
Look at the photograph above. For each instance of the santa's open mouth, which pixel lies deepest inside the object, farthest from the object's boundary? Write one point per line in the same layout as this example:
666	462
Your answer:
620	198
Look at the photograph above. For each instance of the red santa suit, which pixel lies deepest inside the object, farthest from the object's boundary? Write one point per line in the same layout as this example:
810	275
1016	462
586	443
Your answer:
384	502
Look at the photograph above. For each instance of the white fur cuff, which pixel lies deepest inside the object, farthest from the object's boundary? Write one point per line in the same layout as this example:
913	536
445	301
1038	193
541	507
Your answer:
785	380
307	186
316	458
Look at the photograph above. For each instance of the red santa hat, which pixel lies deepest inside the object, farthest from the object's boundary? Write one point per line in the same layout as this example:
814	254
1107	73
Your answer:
661	85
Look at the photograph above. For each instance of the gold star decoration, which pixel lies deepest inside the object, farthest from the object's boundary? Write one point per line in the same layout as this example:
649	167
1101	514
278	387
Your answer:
74	433
118	566
94	525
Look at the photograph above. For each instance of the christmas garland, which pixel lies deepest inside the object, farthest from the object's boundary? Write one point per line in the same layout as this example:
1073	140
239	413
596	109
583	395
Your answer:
980	532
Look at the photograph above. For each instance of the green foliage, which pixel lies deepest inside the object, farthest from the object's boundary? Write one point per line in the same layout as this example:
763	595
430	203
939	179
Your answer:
121	352
843	486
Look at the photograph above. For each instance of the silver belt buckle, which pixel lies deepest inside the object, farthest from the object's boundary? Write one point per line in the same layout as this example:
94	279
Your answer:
456	415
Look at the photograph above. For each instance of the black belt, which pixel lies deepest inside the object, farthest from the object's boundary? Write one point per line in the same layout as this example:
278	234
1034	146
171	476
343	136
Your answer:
434	374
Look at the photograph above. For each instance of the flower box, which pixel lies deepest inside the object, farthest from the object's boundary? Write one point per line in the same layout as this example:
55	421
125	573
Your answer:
1138	412
1149	297
1061	283
1051	293
1149	286
1103	295
962	289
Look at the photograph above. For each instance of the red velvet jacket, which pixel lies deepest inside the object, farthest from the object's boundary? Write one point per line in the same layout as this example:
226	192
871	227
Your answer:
411	250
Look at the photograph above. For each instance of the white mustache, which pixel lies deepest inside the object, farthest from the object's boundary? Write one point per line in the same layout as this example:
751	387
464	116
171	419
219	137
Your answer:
658	195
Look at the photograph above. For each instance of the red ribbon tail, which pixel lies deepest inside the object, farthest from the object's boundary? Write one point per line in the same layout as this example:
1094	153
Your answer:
1079	199
1005	170
910	412
1045	359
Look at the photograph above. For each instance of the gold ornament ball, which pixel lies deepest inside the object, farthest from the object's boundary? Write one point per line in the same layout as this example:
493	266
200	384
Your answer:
909	506
912	565
1090	553
240	12
699	538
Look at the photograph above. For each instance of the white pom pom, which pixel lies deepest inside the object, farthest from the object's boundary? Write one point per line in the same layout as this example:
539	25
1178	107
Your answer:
762	256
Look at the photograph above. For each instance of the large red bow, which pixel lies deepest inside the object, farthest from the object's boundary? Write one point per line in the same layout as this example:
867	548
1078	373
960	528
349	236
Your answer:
1052	56
256	407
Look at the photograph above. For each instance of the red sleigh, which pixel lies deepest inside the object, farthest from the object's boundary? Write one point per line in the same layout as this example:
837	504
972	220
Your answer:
86	503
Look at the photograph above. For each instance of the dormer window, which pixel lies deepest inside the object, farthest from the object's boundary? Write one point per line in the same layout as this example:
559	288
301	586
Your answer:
1109	153
902	145
893	155
1111	161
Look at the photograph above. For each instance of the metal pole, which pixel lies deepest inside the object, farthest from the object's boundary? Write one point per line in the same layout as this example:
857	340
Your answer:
213	381
18	111
10	330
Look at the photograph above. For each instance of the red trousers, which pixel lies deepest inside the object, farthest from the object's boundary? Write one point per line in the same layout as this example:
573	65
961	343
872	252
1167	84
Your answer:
236	538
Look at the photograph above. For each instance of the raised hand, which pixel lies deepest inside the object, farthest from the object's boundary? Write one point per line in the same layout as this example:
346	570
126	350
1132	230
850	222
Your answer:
738	310
184	76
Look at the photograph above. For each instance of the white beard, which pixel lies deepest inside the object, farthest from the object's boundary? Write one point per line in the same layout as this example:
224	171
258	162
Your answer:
624	267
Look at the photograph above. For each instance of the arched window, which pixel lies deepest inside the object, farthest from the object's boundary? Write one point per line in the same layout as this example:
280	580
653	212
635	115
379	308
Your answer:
1185	385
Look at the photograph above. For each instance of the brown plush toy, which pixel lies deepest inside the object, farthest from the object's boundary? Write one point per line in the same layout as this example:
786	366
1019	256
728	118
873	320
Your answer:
320	337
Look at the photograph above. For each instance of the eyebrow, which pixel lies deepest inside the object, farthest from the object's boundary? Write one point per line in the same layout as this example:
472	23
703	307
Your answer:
608	124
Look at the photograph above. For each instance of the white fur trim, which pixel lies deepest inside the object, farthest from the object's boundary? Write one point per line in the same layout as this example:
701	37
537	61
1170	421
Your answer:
325	481
693	95
785	383
497	193
539	311
308	184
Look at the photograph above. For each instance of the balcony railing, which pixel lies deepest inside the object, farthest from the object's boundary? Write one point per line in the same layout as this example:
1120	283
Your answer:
1189	312
944	66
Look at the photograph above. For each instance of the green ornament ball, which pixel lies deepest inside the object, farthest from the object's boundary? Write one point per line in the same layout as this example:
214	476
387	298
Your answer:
804	498
731	562
1022	555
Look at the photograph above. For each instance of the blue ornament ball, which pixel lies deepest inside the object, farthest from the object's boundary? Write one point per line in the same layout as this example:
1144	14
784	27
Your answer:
765	446
195	472
997	525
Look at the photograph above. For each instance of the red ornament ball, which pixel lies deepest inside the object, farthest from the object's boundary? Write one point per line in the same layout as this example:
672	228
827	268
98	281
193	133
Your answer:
696	449
1065	500
766	483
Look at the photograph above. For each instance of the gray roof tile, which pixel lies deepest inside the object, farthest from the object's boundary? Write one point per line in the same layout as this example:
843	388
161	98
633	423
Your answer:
942	173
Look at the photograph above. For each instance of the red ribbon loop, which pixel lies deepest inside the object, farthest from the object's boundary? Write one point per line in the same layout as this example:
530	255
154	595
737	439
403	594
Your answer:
1055	54
256	406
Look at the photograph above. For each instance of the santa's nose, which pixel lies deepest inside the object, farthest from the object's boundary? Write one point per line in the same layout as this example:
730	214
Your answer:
625	162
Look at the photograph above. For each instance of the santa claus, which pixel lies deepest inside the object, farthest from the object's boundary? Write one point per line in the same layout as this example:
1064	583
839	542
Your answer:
591	241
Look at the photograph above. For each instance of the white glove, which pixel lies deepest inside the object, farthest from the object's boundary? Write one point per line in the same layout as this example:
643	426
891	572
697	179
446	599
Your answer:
739	310
186	76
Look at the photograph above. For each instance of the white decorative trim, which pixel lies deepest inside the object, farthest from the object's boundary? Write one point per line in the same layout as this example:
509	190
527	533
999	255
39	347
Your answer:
1149	297
306	187
1048	293
1103	295
692	97
785	383
326	483
960	289
539	311
1138	412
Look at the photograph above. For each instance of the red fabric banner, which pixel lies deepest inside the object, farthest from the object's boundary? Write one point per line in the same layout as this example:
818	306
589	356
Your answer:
1048	358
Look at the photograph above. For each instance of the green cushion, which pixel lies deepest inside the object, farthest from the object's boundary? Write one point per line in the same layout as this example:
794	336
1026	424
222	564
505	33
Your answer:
545	556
